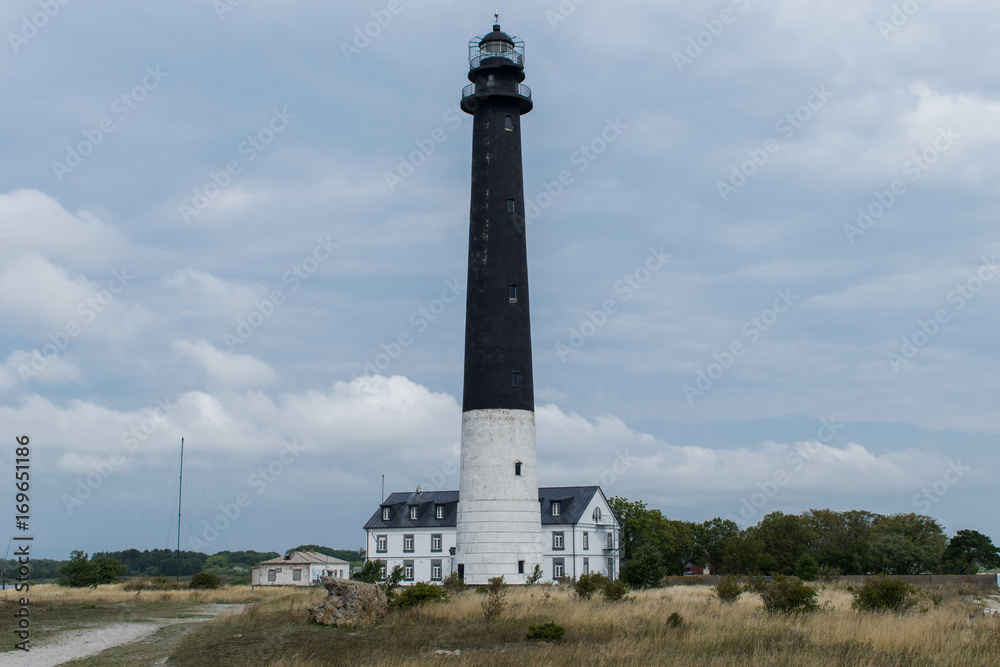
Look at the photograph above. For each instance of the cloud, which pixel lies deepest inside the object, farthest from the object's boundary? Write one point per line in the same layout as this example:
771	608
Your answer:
27	367
226	368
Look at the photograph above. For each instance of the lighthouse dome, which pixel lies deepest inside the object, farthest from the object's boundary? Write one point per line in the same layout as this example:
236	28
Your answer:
497	36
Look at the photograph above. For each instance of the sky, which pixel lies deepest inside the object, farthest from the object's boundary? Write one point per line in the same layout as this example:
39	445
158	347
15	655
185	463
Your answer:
762	247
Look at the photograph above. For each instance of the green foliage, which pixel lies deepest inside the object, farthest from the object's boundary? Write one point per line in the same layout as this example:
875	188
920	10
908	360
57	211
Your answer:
588	584
644	569
216	561
675	620
81	572
391	583
785	537
788	595
969	550
370	571
614	590
882	594
806	568
496	599
546	632
205	580
535	576
729	590
454	583
420	593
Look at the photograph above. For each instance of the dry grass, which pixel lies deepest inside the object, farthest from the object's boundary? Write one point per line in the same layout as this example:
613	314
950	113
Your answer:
601	633
53	596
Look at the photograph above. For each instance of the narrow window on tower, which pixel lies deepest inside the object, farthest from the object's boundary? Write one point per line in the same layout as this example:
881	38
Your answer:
515	379
520	567
510	205
513	294
508	123
517	469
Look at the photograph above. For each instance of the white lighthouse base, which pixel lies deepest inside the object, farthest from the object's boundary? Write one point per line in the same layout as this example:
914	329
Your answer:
499	517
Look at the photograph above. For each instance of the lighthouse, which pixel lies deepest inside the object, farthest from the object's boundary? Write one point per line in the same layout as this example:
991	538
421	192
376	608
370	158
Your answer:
498	530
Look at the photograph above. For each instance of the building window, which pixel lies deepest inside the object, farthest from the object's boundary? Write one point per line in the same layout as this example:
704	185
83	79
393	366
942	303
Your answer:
435	543
611	541
408	543
510	206
517	469
586	541
586	566
381	544
597	515
558	568
520	567
512	293
435	570
386	513
557	541
439	511
381	572
611	567
515	379
508	123
272	575
296	575
413	513
408	570
556	507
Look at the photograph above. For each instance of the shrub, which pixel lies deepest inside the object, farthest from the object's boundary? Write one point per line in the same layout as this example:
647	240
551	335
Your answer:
806	568
546	632
391	583
729	590
454	583
535	575
788	595
419	593
496	598
614	590
675	620
644	568
205	580
369	572
588	584
879	594
757	584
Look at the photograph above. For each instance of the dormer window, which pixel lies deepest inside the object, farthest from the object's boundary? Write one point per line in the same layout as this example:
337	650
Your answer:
413	513
386	513
556	507
439	511
597	515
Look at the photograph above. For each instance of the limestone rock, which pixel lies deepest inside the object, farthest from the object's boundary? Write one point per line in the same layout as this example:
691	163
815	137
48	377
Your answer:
349	603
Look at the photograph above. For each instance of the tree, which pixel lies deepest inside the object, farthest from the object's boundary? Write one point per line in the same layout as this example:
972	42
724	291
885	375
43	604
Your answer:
907	544
78	572
644	569
969	550
715	541
370	572
216	561
786	537
205	580
108	571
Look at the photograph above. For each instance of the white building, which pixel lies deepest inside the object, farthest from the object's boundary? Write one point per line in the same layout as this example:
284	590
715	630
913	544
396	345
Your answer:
417	531
300	568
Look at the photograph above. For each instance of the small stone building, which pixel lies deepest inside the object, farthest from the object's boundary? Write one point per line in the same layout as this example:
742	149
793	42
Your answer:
299	568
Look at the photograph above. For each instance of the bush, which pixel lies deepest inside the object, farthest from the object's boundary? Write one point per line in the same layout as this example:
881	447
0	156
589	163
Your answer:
729	590
614	590
644	568
546	632
788	595
758	584
419	593
675	620
454	584
205	580
588	584
535	576
881	594
806	568
496	598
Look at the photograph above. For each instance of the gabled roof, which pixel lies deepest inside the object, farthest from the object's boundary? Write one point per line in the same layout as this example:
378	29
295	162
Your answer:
304	558
399	510
573	502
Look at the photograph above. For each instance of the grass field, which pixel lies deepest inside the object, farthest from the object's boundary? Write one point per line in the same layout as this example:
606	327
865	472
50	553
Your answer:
275	630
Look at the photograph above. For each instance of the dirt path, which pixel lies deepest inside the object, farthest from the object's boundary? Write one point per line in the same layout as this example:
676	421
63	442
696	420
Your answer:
74	644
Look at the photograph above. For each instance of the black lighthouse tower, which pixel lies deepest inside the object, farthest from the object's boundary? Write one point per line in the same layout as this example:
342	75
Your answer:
499	528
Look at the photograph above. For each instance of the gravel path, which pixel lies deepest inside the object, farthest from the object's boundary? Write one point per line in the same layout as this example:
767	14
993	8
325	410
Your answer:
74	644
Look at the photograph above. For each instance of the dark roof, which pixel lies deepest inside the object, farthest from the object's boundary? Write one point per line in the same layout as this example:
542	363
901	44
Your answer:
573	501
496	36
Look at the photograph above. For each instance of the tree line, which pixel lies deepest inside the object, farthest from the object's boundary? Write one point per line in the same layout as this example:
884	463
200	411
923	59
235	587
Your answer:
825	541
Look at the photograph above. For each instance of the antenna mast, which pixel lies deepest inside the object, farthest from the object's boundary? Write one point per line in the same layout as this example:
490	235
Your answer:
180	490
